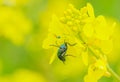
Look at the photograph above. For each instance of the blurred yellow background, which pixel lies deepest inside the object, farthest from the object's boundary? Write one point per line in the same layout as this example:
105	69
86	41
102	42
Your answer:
23	26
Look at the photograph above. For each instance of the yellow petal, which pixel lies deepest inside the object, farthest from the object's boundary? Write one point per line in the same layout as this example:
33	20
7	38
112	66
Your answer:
88	30
101	28
56	27
50	40
52	58
90	10
106	46
74	50
85	58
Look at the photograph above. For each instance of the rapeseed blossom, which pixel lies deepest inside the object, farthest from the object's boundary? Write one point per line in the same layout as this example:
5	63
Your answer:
97	70
92	35
58	36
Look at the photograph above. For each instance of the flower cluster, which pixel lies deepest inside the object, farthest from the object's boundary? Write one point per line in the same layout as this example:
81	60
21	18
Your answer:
92	36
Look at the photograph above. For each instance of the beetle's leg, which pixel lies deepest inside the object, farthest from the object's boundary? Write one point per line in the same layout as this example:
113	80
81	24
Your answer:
63	54
54	45
70	55
71	44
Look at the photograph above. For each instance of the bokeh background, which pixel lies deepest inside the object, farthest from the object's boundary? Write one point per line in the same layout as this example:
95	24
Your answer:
23	27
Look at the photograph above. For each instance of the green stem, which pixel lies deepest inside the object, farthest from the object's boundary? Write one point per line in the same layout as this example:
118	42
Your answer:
93	53
113	73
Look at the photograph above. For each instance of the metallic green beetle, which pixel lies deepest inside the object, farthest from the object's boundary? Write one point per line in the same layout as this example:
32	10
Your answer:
62	51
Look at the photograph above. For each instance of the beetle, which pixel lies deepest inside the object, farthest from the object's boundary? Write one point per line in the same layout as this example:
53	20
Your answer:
62	51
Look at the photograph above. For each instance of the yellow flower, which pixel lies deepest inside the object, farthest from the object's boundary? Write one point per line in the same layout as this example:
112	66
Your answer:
92	28
75	18
97	31
92	36
96	70
75	23
59	34
98	27
100	33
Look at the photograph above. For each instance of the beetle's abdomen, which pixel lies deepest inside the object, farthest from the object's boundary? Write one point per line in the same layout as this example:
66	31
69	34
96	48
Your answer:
61	54
62	58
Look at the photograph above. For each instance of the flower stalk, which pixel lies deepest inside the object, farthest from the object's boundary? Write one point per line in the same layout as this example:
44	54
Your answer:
114	74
